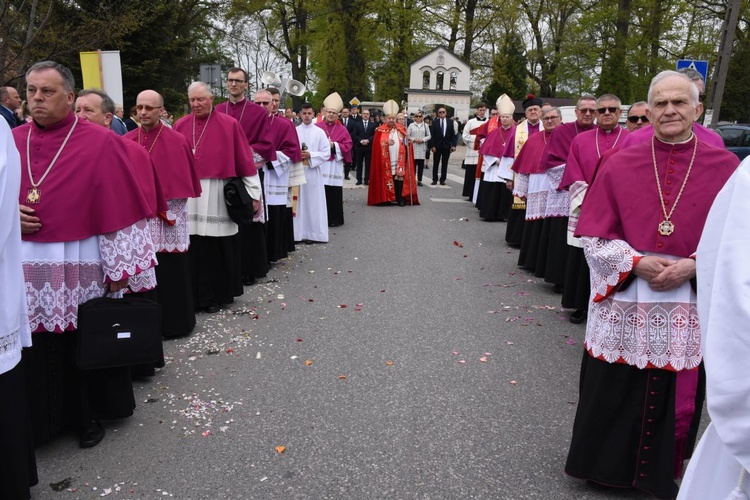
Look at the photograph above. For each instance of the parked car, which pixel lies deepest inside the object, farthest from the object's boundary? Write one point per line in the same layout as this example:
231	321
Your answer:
736	138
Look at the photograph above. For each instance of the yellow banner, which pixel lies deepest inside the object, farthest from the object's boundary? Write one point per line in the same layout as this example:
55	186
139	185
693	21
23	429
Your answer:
91	70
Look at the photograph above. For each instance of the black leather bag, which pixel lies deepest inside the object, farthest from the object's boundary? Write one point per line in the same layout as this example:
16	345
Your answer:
118	332
239	203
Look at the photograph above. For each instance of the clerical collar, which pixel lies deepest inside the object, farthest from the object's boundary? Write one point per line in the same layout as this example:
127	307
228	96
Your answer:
54	126
677	142
237	102
481	119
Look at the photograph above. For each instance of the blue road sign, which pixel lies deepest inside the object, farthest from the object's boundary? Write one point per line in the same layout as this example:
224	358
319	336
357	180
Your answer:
699	66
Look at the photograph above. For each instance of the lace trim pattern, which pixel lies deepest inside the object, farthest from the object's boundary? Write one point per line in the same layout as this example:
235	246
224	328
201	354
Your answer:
665	335
10	347
175	238
609	262
536	205
54	290
555	175
128	251
210	219
521	185
144	281
558	204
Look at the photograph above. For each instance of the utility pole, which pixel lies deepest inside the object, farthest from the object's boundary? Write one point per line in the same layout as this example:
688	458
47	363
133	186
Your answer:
722	62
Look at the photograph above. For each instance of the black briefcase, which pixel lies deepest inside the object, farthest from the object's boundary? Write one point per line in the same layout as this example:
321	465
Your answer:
118	332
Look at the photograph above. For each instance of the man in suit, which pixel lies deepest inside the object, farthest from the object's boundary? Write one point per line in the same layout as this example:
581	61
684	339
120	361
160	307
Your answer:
443	143
362	133
10	101
348	122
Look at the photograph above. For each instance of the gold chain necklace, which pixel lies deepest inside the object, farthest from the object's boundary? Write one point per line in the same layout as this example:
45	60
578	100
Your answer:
195	144
666	227
34	195
153	143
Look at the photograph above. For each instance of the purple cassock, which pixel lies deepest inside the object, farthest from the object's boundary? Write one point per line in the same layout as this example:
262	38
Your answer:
148	179
586	150
336	132
284	138
91	200
172	158
644	134
558	147
219	146
253	119
530	154
510	143
626	196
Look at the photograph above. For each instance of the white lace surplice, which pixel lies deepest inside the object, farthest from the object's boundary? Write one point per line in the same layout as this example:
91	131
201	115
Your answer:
638	326
558	200
60	276
176	238
536	199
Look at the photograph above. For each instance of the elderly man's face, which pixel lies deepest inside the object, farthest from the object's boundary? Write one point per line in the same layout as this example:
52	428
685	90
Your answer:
89	108
390	121
13	101
201	101
48	100
506	120
608	113
532	113
307	115
149	109
672	109
332	115
637	117
586	112
263	98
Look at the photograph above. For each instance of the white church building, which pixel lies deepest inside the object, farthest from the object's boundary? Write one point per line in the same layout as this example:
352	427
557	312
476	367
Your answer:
440	78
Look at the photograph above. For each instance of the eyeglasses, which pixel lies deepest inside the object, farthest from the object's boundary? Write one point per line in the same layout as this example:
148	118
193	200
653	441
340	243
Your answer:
441	112
550	118
142	107
234	81
634	119
418	116
611	109
263	103
587	111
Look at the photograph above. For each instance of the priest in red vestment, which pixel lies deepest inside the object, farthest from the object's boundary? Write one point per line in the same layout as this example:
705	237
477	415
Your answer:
642	383
392	167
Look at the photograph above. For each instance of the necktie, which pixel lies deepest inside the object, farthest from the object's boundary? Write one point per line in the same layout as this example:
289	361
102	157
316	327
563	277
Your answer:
443	125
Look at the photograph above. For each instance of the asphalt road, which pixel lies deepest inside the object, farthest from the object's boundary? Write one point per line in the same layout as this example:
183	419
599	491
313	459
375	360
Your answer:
409	358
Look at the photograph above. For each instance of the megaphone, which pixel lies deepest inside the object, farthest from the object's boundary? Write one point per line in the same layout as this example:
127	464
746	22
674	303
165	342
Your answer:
270	78
294	87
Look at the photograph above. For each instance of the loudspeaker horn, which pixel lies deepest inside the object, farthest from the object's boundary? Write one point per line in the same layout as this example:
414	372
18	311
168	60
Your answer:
270	78
294	87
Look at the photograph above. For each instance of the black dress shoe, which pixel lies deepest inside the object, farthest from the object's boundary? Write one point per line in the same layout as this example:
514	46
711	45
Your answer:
419	183
579	316
442	183
346	178
367	183
214	308
402	203
359	183
92	435
434	183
